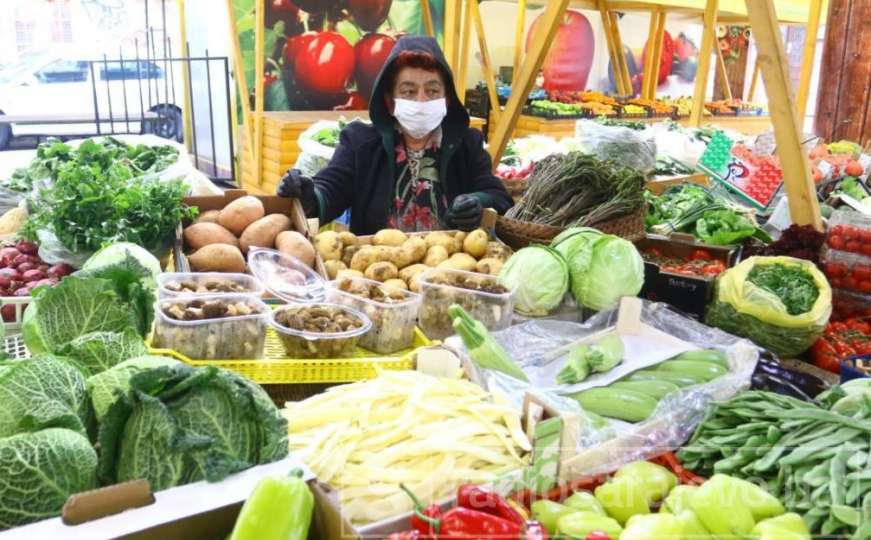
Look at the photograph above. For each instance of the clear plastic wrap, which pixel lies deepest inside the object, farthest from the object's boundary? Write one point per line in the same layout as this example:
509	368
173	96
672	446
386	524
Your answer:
623	145
603	449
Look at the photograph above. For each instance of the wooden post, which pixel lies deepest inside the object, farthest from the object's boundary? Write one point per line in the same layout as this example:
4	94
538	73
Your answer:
648	61
186	82
807	65
427	18
753	80
621	57
708	34
486	65
550	22
460	79
241	85
612	48
452	32
656	47
519	41
804	208
259	59
723	74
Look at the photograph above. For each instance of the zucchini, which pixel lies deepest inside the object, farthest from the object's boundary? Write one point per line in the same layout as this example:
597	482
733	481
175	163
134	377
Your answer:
704	355
708	370
616	403
680	379
654	389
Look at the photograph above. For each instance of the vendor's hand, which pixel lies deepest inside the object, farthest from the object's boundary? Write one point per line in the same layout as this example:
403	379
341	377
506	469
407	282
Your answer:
465	213
296	186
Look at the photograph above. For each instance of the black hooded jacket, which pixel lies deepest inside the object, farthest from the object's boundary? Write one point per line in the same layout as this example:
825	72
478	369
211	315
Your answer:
361	174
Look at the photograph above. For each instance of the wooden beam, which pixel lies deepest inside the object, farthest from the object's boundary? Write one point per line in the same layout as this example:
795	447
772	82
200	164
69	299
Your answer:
807	64
549	24
463	59
612	49
452	32
486	64
753	80
648	60
708	37
804	208
724	75
427	18
519	39
658	40
621	57
186	81
241	86
259	90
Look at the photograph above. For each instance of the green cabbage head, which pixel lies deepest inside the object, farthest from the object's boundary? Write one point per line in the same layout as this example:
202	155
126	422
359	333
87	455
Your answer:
603	268
106	386
540	278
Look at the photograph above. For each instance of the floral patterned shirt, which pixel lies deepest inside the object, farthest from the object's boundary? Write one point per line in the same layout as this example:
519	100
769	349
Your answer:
419	201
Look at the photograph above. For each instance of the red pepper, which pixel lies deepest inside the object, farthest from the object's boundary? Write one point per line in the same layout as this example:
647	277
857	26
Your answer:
467	524
598	535
485	500
407	535
534	531
425	527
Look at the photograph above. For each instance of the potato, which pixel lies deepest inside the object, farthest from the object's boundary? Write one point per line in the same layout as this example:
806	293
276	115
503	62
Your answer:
348	273
348	238
200	235
348	253
296	245
442	239
334	267
364	258
382	271
217	258
236	216
329	246
475	243
498	250
397	283
417	247
386	253
263	232
435	255
460	261
489	265
410	271
414	283
13	220
389	237
209	216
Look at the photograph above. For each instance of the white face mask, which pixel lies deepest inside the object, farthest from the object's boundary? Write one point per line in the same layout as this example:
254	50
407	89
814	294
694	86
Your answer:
419	118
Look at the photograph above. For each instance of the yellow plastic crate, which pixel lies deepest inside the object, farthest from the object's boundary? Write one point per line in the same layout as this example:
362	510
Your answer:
276	368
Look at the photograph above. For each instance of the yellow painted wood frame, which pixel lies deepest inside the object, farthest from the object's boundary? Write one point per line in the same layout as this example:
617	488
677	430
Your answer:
453	12
657	43
519	41
186	81
601	5
724	75
621	57
803	205
753	80
427	18
808	57
648	60
486	64
259	59
704	66
460	79
241	84
532	62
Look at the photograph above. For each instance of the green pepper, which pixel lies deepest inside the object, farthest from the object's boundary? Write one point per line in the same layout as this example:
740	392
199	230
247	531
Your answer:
580	524
785	527
648	527
678	499
692	527
585	502
655	480
279	508
548	513
762	504
623	498
483	349
722	512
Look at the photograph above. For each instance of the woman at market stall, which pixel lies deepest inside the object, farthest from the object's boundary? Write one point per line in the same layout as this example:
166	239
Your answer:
418	166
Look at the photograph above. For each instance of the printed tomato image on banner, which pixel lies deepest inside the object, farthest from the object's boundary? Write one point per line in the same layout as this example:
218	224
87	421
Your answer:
370	53
570	58
666	60
324	63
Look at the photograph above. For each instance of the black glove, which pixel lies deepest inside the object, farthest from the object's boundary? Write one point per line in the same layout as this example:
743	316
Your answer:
296	186
465	213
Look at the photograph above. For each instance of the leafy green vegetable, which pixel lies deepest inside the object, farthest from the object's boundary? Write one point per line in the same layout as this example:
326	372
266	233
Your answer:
98	351
116	253
536	297
42	392
677	207
603	268
105	387
181	424
39	471
725	227
852	187
795	287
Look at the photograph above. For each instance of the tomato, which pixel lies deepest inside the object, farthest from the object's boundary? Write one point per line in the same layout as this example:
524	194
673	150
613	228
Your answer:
859	326
836	283
862	272
851	233
866	248
850	282
853	246
836	241
866	236
713	269
864	286
864	348
653	251
824	356
838	230
701	255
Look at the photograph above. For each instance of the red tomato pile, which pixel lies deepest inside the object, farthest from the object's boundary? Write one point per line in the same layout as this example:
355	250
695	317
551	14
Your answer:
850	238
847	305
21	271
841	340
856	277
700	264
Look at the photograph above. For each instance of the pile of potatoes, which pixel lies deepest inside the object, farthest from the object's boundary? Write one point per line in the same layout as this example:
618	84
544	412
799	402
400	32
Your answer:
397	259
219	239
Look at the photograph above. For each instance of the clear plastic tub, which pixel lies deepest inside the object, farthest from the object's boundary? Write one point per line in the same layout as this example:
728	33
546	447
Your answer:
313	344
847	305
286	277
172	284
481	295
849	232
229	337
393	316
847	271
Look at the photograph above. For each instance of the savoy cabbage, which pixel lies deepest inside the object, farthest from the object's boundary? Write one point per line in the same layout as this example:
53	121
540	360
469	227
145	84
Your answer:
105	387
39	470
182	424
99	351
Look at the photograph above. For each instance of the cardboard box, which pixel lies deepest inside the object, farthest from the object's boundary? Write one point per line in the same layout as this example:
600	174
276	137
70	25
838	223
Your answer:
193	511
273	205
689	294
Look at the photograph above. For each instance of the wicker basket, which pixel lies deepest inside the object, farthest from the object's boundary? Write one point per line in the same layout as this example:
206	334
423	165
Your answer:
519	234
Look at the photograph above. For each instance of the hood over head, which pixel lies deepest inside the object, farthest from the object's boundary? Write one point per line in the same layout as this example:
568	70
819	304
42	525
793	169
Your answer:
456	120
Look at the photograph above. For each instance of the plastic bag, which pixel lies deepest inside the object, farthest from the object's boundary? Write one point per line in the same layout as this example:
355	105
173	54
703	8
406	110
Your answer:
623	145
314	156
603	449
52	251
744	309
677	144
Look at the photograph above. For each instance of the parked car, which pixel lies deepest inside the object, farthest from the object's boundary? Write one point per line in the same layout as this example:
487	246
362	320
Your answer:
58	85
